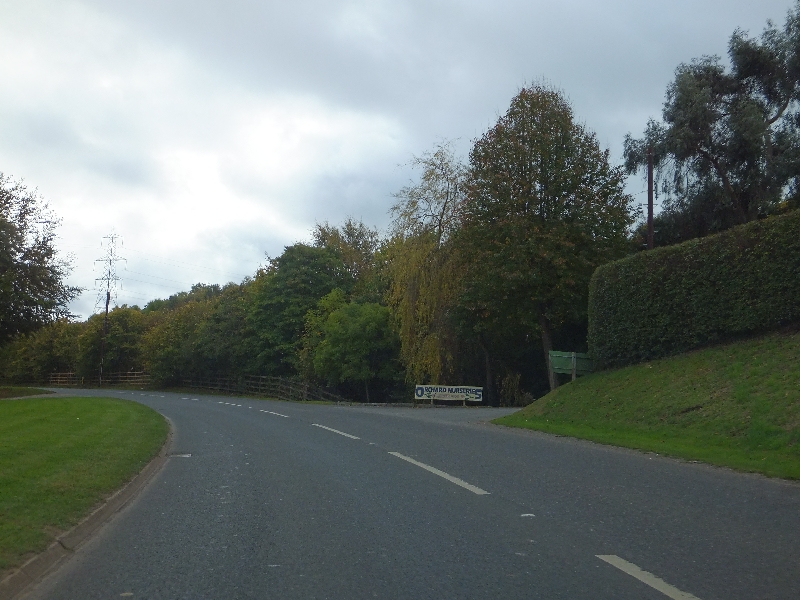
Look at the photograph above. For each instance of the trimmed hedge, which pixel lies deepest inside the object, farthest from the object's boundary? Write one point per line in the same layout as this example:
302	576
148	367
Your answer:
672	299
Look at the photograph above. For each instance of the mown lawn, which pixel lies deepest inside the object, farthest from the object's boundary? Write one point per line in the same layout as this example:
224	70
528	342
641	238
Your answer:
736	405
59	458
17	392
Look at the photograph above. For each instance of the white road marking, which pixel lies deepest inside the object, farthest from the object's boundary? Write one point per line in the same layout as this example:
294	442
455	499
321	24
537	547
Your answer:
220	402
352	437
654	582
274	413
196	399
528	515
184	398
450	478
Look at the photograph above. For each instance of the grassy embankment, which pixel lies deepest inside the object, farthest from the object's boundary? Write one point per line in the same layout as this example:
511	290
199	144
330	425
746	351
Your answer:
59	458
17	392
735	405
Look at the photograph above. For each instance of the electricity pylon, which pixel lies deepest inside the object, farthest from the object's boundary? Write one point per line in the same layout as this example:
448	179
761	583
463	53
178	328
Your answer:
110	279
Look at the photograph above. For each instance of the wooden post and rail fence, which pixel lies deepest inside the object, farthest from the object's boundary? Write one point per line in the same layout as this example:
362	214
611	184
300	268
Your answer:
258	385
118	378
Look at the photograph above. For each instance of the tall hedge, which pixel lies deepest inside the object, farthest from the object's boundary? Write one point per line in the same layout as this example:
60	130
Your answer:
670	300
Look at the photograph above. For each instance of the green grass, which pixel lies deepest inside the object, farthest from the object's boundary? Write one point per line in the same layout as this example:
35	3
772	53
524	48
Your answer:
736	405
17	392
59	458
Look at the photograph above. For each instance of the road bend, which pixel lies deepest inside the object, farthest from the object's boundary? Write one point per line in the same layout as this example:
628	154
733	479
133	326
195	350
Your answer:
265	499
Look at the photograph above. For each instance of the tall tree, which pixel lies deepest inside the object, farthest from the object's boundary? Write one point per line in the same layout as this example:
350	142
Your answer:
728	150
545	208
423	273
32	287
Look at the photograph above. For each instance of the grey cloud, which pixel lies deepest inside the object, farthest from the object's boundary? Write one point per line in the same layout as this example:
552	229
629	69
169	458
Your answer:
54	137
444	67
432	68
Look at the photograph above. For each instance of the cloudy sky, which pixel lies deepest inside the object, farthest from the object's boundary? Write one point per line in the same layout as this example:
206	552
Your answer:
208	134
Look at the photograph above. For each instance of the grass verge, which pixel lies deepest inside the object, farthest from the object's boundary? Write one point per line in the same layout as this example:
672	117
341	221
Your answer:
61	457
736	405
17	392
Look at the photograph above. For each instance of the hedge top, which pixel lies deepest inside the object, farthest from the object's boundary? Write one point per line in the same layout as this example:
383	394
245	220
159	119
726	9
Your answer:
672	299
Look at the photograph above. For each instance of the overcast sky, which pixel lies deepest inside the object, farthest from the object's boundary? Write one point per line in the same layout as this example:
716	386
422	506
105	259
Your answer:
207	134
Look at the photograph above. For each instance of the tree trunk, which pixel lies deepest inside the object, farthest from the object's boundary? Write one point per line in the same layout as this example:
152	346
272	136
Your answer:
489	384
547	345
366	389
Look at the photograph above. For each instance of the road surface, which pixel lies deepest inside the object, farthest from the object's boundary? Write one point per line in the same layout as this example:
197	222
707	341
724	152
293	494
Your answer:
267	499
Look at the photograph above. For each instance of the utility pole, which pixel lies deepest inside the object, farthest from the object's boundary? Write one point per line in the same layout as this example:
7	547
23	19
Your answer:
650	198
108	280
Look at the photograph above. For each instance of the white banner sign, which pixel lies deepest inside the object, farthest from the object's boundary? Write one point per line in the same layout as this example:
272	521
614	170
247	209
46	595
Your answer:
447	392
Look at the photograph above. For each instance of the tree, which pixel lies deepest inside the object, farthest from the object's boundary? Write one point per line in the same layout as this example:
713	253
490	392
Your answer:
282	294
32	287
353	242
358	345
224	344
126	326
32	357
728	150
423	273
314	330
544	209
169	346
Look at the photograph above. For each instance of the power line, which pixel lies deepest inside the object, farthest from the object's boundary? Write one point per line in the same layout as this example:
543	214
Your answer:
157	277
180	263
168	261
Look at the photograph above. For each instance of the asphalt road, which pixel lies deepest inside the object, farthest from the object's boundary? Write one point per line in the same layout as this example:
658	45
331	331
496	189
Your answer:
284	500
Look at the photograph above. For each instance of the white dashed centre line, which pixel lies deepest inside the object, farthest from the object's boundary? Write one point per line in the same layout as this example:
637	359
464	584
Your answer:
352	437
654	582
442	474
274	413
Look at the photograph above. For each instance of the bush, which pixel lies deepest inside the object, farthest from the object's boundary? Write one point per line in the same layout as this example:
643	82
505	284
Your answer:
672	299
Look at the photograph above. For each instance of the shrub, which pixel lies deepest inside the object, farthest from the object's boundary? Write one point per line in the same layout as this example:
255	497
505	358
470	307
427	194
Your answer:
672	299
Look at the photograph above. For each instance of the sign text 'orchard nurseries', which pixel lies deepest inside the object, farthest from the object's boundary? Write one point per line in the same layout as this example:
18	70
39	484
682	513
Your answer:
448	392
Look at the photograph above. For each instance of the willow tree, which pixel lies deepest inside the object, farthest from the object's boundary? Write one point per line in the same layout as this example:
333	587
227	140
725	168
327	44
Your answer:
424	278
545	208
